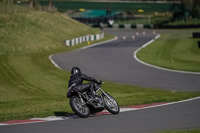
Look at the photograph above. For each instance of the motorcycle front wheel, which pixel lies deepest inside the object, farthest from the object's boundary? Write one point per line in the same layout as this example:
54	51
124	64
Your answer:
110	104
78	107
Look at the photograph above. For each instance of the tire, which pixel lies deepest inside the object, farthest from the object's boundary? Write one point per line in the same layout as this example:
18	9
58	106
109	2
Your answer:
81	110
111	106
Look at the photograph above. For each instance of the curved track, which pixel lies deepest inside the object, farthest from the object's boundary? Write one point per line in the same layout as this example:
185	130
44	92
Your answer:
114	61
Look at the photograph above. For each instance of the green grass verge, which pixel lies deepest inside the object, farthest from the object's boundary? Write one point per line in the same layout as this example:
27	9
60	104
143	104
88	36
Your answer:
183	131
31	86
175	49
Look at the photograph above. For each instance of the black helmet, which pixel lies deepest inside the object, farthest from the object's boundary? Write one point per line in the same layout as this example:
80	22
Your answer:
75	70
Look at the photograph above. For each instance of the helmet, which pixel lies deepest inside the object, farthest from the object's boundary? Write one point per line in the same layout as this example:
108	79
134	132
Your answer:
75	70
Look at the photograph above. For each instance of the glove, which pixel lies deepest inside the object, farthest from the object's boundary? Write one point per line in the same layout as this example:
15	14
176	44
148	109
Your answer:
100	82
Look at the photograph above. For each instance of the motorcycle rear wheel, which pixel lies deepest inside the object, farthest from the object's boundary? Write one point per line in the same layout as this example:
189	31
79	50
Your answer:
111	105
77	106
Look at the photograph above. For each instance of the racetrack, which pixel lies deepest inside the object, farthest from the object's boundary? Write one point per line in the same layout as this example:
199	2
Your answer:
114	62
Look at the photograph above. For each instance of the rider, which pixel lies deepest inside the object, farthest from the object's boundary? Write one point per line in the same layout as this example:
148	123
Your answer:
77	79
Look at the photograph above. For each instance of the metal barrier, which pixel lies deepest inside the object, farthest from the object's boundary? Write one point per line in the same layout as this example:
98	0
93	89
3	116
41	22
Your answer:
82	39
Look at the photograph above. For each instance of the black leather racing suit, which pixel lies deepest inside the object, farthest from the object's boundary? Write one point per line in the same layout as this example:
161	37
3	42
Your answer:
78	78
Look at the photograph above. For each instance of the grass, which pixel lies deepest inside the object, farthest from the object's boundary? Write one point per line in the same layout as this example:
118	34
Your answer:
31	86
183	131
194	21
174	50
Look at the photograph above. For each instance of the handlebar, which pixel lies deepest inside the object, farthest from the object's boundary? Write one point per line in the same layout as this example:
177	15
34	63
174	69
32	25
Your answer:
100	82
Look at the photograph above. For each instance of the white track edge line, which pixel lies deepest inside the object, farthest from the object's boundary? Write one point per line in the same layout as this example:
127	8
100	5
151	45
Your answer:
165	104
52	61
157	67
22	123
3	124
160	105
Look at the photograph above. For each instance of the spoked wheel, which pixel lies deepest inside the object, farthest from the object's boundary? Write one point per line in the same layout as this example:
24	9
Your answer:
78	107
110	104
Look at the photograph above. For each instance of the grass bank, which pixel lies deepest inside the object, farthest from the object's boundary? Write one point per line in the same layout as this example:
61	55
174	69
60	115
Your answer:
38	32
31	86
175	49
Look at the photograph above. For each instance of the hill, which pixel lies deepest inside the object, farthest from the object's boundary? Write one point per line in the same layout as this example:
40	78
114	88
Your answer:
37	31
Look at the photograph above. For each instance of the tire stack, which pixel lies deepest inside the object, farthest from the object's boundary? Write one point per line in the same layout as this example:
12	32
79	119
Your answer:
196	35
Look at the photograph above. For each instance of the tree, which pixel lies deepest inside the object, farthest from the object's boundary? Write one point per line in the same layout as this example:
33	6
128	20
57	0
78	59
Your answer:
192	6
50	5
33	4
196	8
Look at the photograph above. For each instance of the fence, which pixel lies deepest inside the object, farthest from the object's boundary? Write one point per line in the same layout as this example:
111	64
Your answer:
8	8
123	21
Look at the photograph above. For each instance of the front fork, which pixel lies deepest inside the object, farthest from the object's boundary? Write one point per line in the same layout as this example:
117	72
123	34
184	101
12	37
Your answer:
104	93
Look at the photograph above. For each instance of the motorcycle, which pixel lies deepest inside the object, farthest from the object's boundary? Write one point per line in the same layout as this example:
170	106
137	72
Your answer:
83	106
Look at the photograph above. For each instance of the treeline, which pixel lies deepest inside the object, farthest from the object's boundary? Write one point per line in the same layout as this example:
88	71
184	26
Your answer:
191	6
32	3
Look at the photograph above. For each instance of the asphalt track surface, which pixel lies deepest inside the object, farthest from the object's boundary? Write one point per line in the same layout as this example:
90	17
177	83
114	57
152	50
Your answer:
114	61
